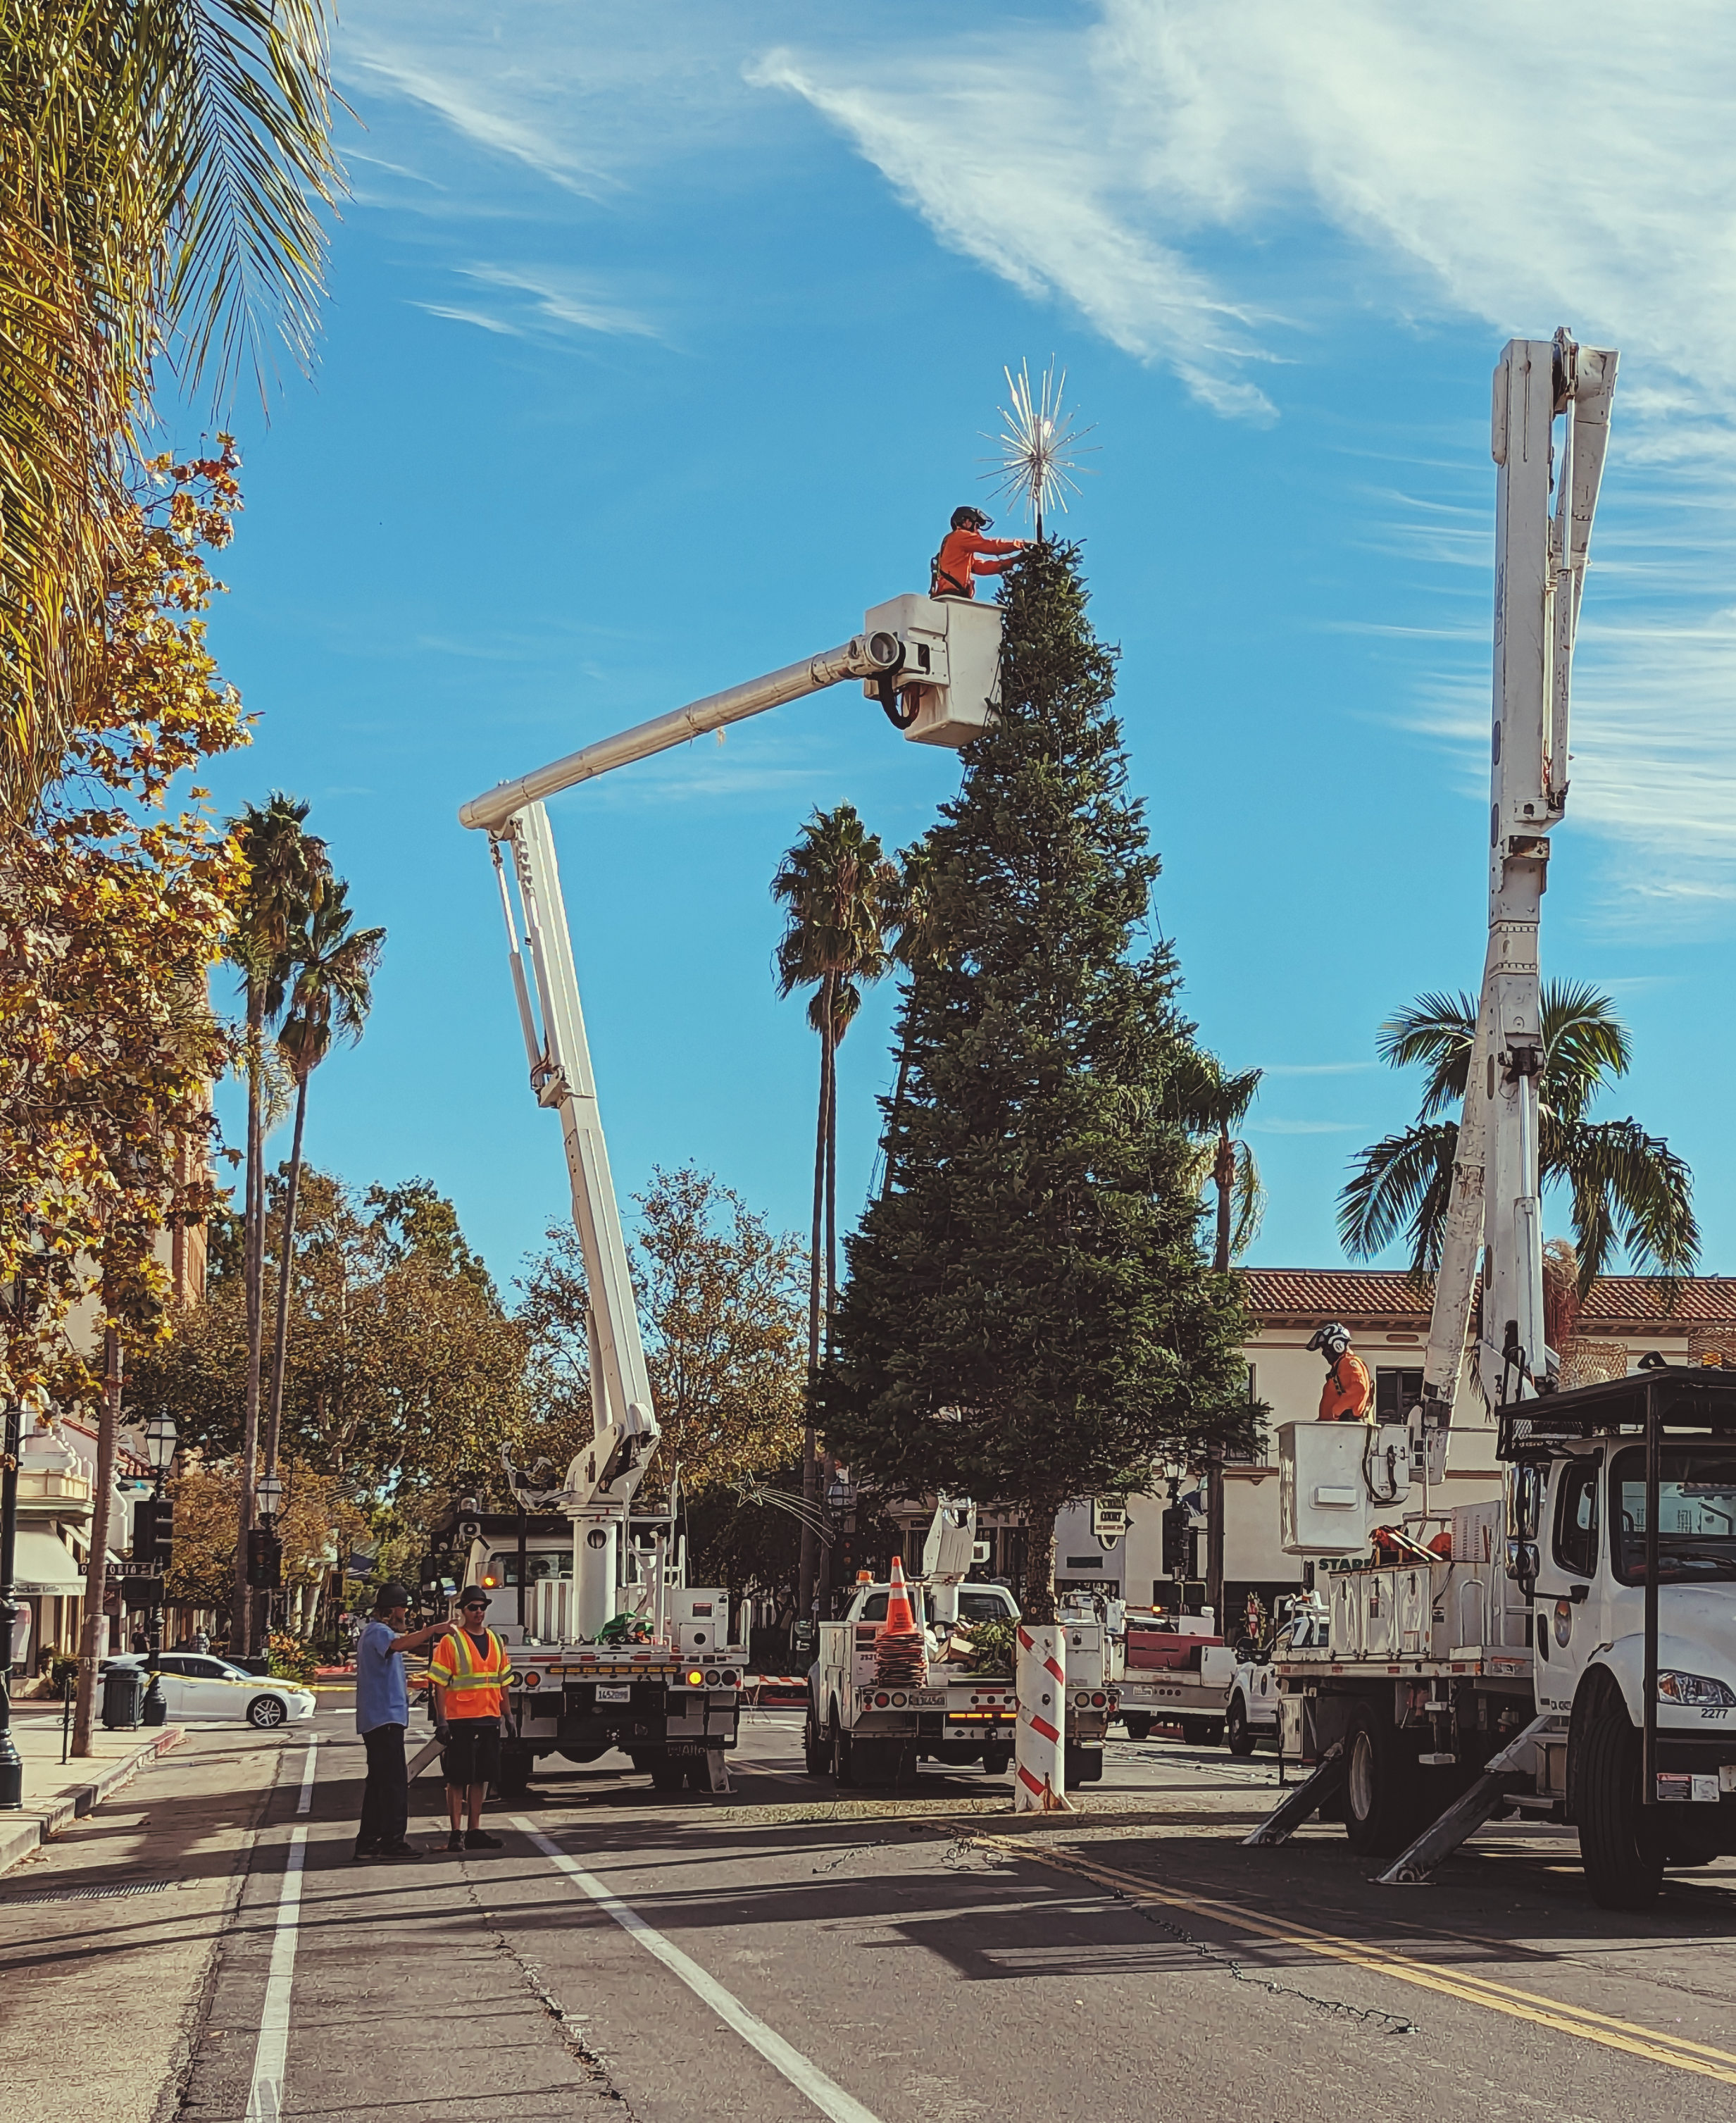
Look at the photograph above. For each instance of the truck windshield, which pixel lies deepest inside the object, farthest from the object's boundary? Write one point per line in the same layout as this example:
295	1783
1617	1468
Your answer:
1697	1514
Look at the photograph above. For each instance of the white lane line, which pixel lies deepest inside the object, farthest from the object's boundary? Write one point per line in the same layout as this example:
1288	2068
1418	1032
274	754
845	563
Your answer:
808	2079
304	1802
266	2095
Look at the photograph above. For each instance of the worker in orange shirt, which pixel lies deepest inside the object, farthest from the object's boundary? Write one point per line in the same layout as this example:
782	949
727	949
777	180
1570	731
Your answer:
965	554
1348	1395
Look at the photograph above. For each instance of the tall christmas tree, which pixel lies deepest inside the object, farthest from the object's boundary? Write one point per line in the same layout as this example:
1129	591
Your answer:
1030	1316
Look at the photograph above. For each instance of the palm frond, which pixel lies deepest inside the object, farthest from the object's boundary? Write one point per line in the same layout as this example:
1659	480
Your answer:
1249	1203
1585	1045
1400	1184
1628	1189
1438	1030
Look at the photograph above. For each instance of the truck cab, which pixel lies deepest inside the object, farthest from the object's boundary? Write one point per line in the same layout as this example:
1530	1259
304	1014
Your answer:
1597	1538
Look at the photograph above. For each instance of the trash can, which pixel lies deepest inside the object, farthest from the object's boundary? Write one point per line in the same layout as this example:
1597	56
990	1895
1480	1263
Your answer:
123	1696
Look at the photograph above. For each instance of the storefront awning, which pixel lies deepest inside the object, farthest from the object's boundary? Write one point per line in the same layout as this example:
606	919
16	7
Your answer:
43	1567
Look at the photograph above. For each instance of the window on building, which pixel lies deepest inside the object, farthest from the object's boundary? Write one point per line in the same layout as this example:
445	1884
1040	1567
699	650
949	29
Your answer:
1395	1392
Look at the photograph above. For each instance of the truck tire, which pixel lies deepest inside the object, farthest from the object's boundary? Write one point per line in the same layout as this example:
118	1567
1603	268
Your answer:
844	1756
1202	1731
1082	1765
1618	1846
997	1758
581	1755
817	1755
874	1762
516	1762
1382	1795
1139	1724
668	1772
1237	1730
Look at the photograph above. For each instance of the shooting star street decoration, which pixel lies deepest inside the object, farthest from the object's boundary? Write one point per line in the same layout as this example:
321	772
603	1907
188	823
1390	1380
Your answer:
1039	445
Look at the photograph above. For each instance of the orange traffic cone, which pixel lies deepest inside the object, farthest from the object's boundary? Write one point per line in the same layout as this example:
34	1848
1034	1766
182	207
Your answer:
900	1653
900	1617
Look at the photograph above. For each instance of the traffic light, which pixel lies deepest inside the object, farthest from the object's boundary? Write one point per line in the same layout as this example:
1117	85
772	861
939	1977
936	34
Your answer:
1176	1541
153	1531
265	1560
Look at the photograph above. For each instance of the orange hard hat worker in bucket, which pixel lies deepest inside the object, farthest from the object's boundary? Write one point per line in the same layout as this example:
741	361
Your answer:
1348	1395
965	554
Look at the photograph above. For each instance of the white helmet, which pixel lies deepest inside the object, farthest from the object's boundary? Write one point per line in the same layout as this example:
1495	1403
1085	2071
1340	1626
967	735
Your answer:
1331	1340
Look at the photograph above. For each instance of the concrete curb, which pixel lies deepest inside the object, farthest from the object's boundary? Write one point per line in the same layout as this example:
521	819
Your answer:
32	1828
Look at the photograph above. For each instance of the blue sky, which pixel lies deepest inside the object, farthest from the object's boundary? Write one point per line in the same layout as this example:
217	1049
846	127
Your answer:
662	342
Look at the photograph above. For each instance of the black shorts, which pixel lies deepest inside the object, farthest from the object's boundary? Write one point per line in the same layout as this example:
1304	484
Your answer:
472	1753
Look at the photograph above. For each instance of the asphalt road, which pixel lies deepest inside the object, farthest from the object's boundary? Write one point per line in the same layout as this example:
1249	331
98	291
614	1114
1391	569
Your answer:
789	1951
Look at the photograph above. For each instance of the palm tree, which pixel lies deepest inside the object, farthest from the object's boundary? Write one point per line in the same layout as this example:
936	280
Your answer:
330	996
160	164
1627	1191
839	891
288	871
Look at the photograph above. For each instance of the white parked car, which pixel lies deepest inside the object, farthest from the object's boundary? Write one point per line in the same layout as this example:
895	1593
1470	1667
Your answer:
200	1689
1251	1713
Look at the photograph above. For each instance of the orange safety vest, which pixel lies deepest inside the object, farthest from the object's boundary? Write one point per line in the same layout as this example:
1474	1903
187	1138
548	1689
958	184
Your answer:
1350	1398
960	561
474	1685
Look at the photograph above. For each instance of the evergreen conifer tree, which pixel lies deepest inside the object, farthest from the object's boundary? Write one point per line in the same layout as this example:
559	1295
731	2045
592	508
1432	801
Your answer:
1030	1316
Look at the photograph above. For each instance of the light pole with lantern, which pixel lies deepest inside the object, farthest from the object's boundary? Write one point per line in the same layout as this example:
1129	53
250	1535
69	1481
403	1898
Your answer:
160	1437
270	1497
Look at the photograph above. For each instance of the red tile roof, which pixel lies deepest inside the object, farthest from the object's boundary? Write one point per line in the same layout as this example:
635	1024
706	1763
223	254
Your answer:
1286	1297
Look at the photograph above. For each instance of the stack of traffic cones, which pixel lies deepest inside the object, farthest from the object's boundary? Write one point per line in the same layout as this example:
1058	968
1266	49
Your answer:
900	1651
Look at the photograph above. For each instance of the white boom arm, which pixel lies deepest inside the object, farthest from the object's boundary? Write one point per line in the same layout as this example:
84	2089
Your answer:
1540	579
944	664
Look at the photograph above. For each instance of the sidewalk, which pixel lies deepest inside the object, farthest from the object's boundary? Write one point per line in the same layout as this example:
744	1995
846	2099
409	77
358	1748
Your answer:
56	1793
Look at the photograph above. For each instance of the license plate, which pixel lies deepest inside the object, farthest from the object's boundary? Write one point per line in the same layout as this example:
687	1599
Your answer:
926	1699
614	1695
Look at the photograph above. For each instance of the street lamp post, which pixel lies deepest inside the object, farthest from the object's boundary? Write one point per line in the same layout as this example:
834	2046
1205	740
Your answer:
160	1437
12	1763
270	1497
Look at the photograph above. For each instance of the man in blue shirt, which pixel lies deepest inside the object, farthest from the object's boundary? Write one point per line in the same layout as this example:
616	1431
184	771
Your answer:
382	1717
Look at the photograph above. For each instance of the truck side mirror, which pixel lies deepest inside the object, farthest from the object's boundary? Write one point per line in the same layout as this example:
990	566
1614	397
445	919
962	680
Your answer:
1523	1563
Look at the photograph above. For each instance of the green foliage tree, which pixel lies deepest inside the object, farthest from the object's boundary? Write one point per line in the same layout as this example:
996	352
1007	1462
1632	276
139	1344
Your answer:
288	872
1028	1316
331	992
1627	1191
720	1310
839	892
404	1377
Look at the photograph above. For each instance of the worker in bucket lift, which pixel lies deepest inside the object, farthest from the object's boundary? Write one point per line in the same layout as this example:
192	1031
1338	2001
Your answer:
1348	1395
965	554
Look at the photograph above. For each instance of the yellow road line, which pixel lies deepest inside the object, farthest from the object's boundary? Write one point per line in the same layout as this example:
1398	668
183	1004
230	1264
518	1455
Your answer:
1643	2042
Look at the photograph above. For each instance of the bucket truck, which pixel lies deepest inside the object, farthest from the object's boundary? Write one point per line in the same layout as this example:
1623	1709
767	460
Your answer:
1573	1655
862	1730
664	1685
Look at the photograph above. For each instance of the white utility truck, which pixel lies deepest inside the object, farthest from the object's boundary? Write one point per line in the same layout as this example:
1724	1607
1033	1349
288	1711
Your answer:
1574	1655
1169	1670
861	1729
934	667
1250	1707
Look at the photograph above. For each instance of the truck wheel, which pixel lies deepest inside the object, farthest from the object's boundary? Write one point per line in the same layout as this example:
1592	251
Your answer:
1138	1724
699	1773
815	1753
668	1772
997	1760
1082	1765
844	1764
1236	1726
1624	1866
516	1766
1381	1793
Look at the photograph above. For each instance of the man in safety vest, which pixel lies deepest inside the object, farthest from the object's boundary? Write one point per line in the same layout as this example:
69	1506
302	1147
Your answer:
1348	1395
470	1672
964	554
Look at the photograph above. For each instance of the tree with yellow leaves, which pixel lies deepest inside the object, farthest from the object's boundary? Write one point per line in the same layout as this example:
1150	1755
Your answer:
116	895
